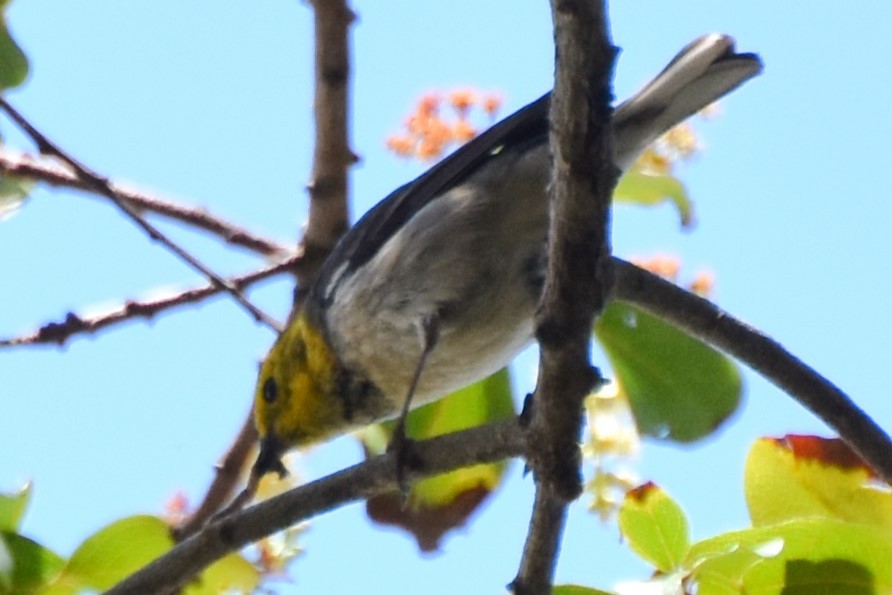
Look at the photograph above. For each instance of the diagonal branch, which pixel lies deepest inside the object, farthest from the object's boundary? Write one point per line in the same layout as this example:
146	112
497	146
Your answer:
222	488
485	444
47	171
495	441
578	278
59	332
706	321
102	186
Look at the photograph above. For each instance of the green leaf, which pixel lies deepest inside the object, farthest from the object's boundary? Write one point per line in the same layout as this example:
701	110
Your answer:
230	573
678	387
25	565
797	557
801	476
12	508
482	402
487	400
641	188
123	547
444	502
655	527
113	553
13	193
723	574
13	62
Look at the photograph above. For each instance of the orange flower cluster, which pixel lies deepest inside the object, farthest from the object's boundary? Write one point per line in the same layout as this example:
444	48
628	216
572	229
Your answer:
668	268
663	265
428	133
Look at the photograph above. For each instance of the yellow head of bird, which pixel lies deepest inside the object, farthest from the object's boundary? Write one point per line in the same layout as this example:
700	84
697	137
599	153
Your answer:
295	402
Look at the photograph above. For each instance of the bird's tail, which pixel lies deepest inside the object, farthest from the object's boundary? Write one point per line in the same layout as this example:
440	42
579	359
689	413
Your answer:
707	69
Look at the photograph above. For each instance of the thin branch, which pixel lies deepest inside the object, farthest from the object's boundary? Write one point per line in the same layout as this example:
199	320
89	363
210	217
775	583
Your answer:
485	444
578	278
101	185
329	184
59	332
49	172
704	320
221	490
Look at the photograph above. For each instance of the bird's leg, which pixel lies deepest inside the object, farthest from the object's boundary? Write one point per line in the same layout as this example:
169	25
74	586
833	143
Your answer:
400	444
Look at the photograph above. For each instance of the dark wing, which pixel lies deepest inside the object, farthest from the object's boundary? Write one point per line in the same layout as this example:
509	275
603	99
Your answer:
527	126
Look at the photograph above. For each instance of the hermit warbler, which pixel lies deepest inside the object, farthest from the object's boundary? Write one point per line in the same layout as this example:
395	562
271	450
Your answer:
441	279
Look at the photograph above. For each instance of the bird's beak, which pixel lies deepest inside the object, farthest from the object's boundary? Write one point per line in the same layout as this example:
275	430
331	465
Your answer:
270	458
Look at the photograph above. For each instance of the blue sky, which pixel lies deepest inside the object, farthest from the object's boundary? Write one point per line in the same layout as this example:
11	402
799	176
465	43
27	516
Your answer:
211	103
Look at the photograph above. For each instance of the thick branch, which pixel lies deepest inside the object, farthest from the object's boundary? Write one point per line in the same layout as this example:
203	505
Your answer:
578	277
48	172
328	186
59	332
704	320
486	444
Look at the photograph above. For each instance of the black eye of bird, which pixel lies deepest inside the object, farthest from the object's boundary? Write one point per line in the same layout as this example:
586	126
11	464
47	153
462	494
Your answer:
270	390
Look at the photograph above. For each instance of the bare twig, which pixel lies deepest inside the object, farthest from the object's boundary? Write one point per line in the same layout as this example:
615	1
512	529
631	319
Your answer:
101	185
329	183
485	444
229	471
704	320
49	172
578	279
59	332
